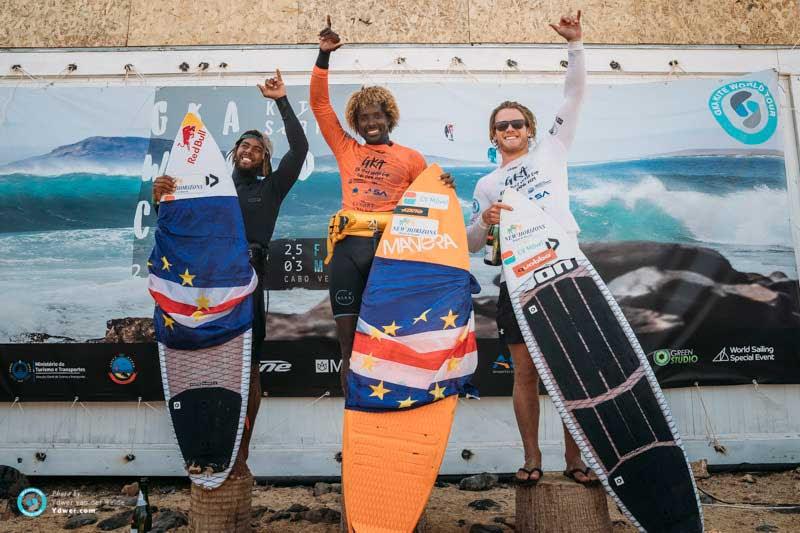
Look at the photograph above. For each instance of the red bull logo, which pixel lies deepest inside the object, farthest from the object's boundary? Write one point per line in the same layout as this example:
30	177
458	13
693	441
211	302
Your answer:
186	134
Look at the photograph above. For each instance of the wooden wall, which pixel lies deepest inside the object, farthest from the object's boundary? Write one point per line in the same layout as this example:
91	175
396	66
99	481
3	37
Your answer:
119	23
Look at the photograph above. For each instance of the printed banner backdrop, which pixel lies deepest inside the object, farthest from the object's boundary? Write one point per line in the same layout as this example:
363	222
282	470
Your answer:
679	189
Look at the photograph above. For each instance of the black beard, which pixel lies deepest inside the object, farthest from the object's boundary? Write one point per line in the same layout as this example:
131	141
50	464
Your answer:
239	172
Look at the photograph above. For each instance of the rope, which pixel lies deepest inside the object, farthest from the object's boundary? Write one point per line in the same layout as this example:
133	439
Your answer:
711	435
325	394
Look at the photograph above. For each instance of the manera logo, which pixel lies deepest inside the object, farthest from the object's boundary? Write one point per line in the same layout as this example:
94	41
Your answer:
746	110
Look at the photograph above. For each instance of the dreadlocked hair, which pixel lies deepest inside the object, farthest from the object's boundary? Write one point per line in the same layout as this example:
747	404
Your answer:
267	164
372	95
530	119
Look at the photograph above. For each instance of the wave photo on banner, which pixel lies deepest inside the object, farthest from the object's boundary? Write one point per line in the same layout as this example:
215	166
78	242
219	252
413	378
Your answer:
668	182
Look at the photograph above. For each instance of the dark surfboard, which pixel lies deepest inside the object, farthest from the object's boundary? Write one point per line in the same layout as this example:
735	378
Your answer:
596	373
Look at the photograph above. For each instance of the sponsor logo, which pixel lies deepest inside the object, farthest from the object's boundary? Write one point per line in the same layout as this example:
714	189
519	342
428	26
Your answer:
327	366
618	481
122	370
373	162
476	206
556	124
408	210
31	502
541	195
745	354
344	297
508	257
502	365
20	371
211	180
426	199
187	133
176	406
377	192
665	356
417	244
556	270
414	227
520	177
275	365
197	145
746	110
535	261
517	232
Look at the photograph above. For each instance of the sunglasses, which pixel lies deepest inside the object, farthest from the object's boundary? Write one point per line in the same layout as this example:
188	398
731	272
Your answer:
503	125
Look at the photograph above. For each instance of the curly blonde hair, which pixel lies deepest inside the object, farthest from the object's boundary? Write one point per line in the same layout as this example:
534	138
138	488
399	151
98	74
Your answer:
530	119
372	95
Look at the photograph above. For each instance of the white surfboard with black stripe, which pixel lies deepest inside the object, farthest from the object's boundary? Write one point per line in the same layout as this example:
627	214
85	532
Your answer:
596	372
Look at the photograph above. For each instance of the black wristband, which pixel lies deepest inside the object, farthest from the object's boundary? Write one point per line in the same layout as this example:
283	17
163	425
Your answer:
323	59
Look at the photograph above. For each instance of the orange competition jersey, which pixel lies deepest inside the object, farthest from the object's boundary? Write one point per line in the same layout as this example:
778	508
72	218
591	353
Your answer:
374	177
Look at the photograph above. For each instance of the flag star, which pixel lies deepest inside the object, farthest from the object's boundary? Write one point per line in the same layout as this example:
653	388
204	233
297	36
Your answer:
405	403
149	264
379	390
423	317
198	316
374	333
187	278
453	364
437	392
463	334
367	362
202	302
450	319
391	329
169	322
165	264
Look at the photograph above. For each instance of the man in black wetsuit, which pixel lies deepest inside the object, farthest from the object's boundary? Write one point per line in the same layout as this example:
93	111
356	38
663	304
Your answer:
261	191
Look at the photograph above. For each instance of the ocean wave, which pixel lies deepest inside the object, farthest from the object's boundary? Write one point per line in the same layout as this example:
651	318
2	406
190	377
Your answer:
755	216
60	168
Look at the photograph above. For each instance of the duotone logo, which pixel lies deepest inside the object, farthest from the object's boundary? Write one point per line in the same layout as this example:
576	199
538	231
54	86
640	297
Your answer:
746	110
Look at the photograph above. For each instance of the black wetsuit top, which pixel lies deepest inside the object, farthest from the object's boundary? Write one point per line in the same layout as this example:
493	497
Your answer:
260	199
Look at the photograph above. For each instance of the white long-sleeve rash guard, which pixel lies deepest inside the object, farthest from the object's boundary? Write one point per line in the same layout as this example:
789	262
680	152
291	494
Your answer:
542	172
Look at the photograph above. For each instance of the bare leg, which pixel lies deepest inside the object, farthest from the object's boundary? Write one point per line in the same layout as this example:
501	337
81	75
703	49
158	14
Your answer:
572	456
526	407
346	331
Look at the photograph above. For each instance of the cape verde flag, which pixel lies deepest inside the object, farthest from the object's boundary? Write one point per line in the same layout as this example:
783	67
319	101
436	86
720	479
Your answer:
415	341
200	274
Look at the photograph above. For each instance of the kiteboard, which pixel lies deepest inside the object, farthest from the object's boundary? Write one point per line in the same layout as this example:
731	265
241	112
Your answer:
413	354
201	281
596	372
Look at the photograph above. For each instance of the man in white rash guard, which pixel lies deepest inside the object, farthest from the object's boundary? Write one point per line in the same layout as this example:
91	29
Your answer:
540	171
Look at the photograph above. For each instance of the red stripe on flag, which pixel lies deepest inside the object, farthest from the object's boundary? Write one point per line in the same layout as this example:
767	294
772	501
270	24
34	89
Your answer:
179	308
395	350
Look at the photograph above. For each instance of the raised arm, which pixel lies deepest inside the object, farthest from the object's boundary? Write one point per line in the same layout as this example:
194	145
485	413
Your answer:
292	162
329	125
566	120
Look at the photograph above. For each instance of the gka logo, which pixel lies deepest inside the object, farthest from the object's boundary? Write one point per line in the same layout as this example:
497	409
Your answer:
746	110
275	366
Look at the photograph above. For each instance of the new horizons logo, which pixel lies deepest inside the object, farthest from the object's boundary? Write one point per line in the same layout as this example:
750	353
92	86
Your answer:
122	370
746	110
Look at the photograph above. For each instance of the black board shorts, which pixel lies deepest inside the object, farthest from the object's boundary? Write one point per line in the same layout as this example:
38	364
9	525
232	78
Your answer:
349	270
507	326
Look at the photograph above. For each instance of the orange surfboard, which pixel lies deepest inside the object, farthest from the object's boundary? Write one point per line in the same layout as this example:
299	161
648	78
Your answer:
413	354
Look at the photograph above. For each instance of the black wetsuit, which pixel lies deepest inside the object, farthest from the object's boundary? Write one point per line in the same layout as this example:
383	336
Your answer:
260	200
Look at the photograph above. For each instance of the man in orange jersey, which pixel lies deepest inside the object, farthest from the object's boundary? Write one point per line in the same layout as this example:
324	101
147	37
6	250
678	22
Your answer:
374	177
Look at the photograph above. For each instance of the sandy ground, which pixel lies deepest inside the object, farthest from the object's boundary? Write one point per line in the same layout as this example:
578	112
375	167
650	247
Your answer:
447	510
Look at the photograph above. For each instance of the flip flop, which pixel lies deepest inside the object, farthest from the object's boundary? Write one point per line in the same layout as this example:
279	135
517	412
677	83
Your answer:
528	482
585	471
